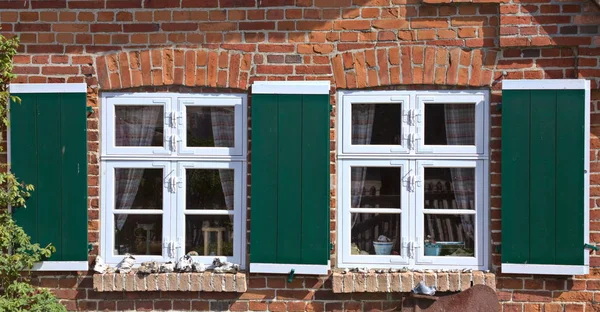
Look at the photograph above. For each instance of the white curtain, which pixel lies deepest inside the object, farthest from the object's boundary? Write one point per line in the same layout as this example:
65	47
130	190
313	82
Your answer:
223	128
362	130
460	130
135	126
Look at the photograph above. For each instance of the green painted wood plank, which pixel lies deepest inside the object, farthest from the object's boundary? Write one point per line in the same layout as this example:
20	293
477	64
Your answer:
50	172
569	176
289	176
515	177
24	157
264	184
315	179
542	234
74	176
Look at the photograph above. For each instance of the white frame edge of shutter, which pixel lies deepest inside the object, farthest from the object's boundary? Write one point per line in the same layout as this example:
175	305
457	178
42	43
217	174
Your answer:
47	88
545	84
284	268
60	266
291	87
545	269
586	175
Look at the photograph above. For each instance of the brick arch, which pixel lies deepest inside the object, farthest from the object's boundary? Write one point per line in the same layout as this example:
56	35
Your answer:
174	66
414	65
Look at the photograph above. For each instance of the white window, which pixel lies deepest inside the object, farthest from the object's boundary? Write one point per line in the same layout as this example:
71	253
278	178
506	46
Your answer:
173	176
413	168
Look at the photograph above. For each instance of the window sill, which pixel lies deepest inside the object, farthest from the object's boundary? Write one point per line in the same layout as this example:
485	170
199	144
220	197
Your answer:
404	282
206	282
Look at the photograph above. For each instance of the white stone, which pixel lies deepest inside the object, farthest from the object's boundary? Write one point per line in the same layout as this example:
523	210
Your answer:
100	266
126	264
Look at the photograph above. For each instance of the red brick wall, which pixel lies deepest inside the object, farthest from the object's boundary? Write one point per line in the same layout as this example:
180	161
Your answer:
224	45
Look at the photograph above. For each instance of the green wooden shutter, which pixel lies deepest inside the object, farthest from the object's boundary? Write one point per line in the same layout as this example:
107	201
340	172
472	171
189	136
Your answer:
545	164
48	146
290	181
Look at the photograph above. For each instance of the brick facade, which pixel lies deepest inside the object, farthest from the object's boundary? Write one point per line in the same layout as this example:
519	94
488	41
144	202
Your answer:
224	45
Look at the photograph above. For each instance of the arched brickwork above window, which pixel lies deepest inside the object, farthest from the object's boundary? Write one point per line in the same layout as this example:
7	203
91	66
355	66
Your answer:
173	66
413	65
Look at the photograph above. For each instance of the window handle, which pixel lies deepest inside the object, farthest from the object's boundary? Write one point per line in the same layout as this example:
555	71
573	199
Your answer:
172	255
172	184
174	143
166	246
174	119
416	116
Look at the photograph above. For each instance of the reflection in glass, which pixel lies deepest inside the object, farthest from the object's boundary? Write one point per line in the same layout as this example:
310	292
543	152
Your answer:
209	189
139	125
209	235
366	229
449	188
375	187
449	124
139	235
376	124
210	126
449	235
138	188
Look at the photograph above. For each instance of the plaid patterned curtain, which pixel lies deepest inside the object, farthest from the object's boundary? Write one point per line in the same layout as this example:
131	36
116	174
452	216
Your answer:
223	128
460	130
362	130
135	126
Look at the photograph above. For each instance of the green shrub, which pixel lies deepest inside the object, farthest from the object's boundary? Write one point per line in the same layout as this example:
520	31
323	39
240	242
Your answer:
17	253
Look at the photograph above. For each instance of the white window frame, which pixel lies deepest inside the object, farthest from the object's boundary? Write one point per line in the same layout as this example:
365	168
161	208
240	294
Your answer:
209	101
347	145
420	258
358	260
173	156
109	122
238	200
109	209
478	101
414	158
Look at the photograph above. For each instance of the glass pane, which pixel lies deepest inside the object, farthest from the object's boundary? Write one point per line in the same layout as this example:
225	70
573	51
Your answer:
377	124
209	235
367	229
450	188
449	235
139	125
450	124
209	189
138	234
375	187
210	126
138	188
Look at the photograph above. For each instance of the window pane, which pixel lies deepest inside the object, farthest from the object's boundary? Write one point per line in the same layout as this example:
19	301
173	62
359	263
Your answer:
139	125
377	124
450	124
209	235
210	126
209	189
138	188
375	187
138	234
450	188
366	229
450	235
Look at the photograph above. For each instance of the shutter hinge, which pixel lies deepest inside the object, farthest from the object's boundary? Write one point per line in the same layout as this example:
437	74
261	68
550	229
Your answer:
590	246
